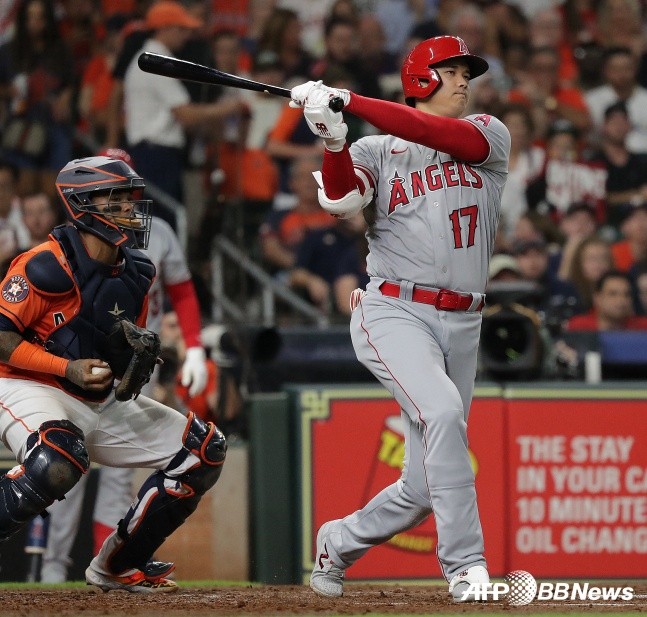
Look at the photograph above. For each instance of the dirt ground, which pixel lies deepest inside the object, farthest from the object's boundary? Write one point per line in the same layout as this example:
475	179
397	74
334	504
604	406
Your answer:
283	600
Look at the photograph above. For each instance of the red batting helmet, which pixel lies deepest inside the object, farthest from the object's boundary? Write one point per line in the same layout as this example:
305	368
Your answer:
418	81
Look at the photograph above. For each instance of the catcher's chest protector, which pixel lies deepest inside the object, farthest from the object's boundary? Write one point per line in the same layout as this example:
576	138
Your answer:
107	294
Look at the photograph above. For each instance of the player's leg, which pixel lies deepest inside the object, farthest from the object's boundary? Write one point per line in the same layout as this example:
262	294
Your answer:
64	518
46	435
114	496
188	455
412	367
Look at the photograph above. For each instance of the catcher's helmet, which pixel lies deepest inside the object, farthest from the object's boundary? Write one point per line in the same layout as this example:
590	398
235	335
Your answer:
418	82
82	179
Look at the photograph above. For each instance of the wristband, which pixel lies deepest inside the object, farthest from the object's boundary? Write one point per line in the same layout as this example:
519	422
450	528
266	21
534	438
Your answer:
34	358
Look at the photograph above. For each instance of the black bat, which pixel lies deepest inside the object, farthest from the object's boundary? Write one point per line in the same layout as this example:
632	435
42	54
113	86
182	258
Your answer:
190	71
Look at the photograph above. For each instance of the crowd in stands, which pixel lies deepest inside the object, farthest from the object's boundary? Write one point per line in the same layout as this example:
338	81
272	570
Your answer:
567	77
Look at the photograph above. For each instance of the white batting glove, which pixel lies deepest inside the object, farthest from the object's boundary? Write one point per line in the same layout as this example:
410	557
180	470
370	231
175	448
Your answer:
344	95
194	370
326	123
299	94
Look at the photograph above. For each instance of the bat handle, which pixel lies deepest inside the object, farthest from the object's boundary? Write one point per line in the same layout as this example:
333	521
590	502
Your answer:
336	104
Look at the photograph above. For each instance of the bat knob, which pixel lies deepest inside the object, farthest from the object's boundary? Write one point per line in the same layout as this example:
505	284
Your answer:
336	104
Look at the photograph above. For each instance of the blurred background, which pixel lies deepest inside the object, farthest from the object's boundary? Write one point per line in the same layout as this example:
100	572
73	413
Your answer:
232	175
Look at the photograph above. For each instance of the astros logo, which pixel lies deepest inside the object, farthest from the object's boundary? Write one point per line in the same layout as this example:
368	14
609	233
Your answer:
15	289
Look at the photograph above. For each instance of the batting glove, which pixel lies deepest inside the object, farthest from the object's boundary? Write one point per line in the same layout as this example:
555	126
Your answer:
299	94
327	124
194	370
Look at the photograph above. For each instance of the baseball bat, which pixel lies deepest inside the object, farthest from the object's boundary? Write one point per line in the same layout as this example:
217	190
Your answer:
191	71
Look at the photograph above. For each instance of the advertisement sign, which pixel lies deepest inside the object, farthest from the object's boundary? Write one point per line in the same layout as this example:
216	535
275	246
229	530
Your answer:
578	485
353	447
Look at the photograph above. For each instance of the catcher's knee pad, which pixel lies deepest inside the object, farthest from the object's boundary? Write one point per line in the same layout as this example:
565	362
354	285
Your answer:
166	499
56	459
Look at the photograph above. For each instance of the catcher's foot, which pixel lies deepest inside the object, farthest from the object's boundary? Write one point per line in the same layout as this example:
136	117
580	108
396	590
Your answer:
151	580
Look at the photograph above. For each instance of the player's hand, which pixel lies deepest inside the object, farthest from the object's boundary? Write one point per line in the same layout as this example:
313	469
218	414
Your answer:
194	370
80	372
319	291
326	123
321	94
299	94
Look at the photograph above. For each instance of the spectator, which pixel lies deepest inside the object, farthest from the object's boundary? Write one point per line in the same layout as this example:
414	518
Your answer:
639	276
526	165
547	29
250	173
591	261
633	247
159	111
612	307
341	40
503	268
13	232
400	18
471	23
567	178
328	265
577	224
620	24
372	48
560	299
40	216
97	81
620	70
283	231
626	171
37	78
281	34
547	98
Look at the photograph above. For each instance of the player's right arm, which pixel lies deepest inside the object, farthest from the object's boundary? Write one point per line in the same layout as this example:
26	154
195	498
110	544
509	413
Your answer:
22	308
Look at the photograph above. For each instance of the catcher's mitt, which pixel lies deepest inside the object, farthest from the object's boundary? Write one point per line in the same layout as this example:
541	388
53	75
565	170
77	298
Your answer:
132	354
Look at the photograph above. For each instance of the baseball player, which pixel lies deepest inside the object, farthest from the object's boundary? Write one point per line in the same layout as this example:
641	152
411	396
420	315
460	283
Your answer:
434	183
60	306
114	492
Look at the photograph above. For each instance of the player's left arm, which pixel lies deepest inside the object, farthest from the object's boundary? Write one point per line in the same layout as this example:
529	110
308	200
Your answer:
458	138
179	287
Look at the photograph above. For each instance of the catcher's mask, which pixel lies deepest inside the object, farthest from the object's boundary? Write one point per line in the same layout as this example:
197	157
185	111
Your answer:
82	179
417	79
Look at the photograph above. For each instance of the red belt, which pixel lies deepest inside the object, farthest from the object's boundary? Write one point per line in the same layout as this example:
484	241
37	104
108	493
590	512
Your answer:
443	299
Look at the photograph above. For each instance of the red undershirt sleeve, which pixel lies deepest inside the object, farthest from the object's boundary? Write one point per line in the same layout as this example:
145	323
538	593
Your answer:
338	173
185	303
460	139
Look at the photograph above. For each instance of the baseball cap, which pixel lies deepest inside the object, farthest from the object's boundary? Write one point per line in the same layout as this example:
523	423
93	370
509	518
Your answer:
502	262
561	126
522	246
170	13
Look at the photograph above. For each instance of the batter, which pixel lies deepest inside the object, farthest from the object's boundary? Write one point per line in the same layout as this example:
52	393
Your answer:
432	188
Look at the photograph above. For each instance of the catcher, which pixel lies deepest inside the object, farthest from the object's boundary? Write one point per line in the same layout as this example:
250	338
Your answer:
72	317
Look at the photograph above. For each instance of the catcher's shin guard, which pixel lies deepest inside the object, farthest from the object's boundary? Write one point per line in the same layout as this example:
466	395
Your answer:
166	499
56	460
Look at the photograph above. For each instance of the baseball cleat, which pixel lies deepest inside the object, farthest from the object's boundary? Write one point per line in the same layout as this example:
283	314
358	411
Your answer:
135	582
460	584
327	578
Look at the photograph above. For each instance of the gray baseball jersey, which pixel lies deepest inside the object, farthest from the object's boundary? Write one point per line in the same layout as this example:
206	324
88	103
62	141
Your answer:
435	224
436	218
165	251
